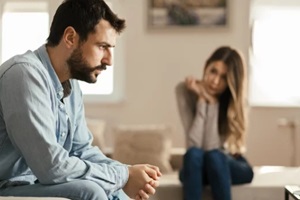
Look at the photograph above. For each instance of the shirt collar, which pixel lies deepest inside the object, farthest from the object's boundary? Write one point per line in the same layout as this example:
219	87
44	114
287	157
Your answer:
62	90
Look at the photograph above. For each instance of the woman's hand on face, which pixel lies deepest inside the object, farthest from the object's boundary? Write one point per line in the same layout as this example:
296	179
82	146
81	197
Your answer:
191	84
210	99
198	86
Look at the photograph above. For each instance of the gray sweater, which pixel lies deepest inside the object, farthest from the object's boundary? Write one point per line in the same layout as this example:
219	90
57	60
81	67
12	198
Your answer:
199	120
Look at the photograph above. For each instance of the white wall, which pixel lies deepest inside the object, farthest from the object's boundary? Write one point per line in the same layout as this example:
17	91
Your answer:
155	61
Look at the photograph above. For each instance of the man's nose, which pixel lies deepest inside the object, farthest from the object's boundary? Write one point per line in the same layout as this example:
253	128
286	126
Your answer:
108	57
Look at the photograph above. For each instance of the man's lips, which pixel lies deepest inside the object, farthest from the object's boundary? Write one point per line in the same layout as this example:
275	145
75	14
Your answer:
102	67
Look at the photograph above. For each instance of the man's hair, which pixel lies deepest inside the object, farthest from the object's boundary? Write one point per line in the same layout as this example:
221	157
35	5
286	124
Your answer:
83	16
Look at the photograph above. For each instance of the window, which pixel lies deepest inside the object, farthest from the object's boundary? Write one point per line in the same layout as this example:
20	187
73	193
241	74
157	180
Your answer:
27	35
19	30
274	75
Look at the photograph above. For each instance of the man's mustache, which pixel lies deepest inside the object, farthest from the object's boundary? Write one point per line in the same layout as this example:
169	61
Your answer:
101	67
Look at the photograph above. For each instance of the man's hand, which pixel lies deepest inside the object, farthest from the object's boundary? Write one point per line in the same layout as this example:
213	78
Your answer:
150	187
142	181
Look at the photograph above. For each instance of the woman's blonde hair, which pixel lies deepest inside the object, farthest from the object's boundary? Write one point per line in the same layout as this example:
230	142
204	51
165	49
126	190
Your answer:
232	117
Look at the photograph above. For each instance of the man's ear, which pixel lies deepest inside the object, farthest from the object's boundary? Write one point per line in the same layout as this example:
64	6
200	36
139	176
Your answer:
70	37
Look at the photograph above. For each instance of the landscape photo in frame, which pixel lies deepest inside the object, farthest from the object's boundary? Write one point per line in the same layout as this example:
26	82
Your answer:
187	13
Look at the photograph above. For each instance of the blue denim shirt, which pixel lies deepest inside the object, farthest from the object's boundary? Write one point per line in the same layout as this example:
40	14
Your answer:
43	135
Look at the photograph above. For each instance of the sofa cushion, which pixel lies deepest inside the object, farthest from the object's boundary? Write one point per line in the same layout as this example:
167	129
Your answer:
97	127
143	144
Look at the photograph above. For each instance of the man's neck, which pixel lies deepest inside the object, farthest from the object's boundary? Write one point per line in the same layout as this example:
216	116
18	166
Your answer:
58	58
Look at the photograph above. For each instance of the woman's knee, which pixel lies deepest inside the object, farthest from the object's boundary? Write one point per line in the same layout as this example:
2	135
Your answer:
249	175
241	170
193	153
215	158
245	175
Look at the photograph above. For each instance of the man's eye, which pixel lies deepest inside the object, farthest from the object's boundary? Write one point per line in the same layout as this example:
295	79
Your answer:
103	47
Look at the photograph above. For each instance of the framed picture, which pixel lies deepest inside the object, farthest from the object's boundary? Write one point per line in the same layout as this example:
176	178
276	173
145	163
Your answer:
187	13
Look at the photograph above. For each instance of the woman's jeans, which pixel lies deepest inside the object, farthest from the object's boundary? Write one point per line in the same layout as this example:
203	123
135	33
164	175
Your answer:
215	168
75	190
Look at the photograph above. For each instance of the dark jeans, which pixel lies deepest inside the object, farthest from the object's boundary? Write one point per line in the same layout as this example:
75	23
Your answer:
215	168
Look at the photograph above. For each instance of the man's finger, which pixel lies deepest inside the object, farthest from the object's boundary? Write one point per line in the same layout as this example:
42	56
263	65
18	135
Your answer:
151	173
143	194
156	169
154	183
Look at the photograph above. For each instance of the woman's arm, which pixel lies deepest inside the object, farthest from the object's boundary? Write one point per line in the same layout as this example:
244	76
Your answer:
211	137
186	102
192	112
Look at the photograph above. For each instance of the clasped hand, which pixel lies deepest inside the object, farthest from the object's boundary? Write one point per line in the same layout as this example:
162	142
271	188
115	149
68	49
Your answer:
143	179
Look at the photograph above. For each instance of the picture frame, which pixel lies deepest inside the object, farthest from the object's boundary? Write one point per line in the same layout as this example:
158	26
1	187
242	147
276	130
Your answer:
187	13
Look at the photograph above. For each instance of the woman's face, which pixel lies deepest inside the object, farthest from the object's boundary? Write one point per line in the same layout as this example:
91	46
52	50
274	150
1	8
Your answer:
215	78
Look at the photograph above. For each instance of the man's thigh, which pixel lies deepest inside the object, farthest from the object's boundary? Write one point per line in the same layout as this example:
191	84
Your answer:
119	195
75	190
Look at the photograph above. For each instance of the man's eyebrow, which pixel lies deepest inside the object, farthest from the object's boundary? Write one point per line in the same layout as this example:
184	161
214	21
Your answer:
105	44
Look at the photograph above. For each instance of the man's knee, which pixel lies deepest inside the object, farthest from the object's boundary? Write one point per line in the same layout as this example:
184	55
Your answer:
89	190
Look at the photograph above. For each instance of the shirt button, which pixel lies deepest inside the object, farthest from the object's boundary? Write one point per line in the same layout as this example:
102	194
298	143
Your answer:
60	94
61	106
63	134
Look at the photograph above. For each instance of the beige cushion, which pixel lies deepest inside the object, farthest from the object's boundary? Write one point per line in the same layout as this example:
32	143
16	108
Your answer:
97	127
143	144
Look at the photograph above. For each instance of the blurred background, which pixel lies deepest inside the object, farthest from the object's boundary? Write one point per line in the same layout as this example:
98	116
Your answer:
149	60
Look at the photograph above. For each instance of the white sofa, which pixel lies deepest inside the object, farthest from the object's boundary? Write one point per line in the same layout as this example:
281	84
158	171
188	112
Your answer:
139	143
268	184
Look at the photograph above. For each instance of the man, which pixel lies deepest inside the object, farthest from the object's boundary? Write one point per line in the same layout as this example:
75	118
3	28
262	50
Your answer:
45	145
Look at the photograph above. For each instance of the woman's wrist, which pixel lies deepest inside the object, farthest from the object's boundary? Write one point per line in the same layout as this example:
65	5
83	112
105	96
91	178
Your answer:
201	98
212	101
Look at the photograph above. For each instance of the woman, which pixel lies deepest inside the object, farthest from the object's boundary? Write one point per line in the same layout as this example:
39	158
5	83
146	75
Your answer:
213	115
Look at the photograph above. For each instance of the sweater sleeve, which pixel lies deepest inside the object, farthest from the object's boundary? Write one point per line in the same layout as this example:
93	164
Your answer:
186	103
194	137
211	138
192	115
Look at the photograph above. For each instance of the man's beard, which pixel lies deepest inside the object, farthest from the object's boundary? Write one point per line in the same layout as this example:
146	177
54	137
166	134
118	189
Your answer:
80	69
